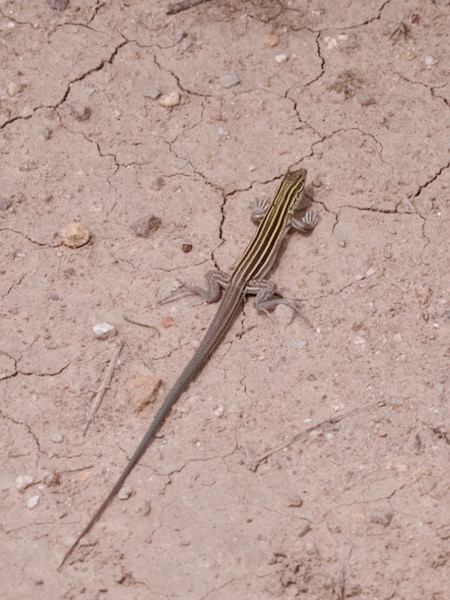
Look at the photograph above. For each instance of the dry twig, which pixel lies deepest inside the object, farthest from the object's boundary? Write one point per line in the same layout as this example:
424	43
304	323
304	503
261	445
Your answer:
97	399
184	5
259	459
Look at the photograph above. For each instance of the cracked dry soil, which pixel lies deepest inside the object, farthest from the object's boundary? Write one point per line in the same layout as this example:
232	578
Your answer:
304	462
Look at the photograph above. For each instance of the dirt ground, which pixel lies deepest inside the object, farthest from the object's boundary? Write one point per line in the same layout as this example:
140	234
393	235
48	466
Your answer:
306	461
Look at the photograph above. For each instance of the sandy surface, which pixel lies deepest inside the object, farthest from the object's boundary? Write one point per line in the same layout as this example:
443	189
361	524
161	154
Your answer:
304	462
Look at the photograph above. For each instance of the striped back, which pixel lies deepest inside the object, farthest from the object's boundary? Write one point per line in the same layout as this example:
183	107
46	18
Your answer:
260	252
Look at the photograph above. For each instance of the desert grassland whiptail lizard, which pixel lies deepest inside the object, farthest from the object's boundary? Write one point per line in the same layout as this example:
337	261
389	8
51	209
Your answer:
275	219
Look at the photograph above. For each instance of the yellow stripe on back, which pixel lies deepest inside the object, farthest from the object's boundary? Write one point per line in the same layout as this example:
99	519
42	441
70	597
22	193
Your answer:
270	232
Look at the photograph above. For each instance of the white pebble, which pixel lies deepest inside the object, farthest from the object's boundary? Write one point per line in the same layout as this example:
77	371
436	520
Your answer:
103	331
23	481
170	100
284	314
331	42
33	501
281	58
219	411
229	80
14	88
125	493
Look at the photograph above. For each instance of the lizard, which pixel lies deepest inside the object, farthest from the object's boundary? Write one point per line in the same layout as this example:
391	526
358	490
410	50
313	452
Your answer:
274	220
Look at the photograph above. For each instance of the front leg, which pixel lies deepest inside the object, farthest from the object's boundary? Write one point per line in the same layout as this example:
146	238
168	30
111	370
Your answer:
259	210
305	223
216	281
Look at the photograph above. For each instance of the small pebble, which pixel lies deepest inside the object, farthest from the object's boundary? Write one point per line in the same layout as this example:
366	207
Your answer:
23	481
381	517
75	235
422	291
311	548
157	184
58	4
125	493
27	112
223	131
229	80
281	58
142	390
271	40
46	133
430	61
170	100
53	480
152	92
33	501
5	203
186	248
284	314
14	88
359	340
56	437
331	42
219	411
81	113
167	322
103	331
143	227
295	501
